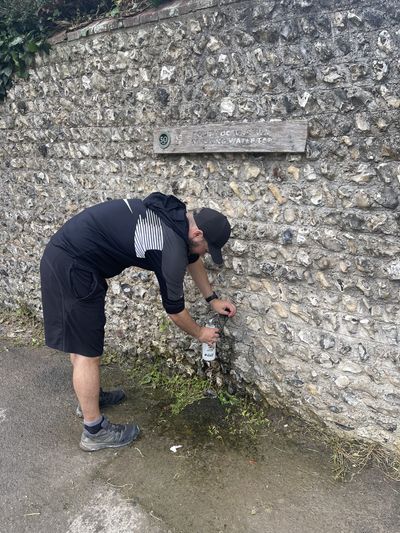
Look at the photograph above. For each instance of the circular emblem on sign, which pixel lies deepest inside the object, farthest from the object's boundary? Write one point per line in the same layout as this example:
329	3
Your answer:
164	139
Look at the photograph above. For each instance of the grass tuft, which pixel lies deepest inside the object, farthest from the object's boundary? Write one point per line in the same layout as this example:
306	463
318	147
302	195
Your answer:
243	417
351	456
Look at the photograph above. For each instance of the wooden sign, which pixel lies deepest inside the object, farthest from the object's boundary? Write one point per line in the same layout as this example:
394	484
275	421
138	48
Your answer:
232	137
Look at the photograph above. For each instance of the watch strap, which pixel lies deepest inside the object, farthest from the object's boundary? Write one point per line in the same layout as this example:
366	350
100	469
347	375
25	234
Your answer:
213	296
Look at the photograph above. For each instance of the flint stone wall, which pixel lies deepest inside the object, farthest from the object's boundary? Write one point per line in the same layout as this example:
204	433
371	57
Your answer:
313	263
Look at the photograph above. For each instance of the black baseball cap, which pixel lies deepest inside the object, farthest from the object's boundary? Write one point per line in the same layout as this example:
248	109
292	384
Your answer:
216	230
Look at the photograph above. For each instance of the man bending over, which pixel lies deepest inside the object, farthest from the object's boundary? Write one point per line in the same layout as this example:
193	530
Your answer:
156	234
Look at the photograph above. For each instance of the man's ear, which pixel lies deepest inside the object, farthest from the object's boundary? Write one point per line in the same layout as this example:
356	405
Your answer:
195	232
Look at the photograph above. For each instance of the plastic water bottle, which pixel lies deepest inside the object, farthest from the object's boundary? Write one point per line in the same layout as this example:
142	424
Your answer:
209	353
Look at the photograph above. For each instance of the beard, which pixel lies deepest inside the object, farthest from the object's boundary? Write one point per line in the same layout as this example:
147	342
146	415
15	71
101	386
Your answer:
194	246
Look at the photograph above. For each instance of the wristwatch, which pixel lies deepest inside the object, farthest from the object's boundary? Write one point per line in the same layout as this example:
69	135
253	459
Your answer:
213	296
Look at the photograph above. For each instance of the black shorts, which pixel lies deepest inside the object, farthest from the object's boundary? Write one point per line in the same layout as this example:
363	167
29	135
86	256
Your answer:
73	297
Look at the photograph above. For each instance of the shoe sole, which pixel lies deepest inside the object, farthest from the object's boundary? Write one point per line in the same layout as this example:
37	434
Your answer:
101	446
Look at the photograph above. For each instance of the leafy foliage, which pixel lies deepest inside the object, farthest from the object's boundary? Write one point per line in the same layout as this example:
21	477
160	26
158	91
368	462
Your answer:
21	37
20	16
17	53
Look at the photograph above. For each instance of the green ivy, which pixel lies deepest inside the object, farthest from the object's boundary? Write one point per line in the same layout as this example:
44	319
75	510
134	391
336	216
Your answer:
22	35
17	54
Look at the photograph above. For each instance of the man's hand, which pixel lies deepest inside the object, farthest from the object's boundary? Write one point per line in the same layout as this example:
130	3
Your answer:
224	307
209	335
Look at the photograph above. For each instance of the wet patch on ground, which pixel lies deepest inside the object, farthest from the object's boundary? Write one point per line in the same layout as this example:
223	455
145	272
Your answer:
279	482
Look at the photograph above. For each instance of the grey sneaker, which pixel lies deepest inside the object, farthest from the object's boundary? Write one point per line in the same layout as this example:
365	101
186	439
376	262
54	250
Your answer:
106	399
110	436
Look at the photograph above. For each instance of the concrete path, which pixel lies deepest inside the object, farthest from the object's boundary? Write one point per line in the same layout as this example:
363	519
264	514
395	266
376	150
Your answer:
47	483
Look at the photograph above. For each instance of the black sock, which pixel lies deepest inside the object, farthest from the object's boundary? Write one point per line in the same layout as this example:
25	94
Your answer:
94	429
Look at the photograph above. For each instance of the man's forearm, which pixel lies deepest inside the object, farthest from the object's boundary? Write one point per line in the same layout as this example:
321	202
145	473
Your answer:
199	276
186	323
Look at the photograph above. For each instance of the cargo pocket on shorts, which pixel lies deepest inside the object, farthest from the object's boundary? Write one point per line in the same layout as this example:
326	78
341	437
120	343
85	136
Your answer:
83	282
